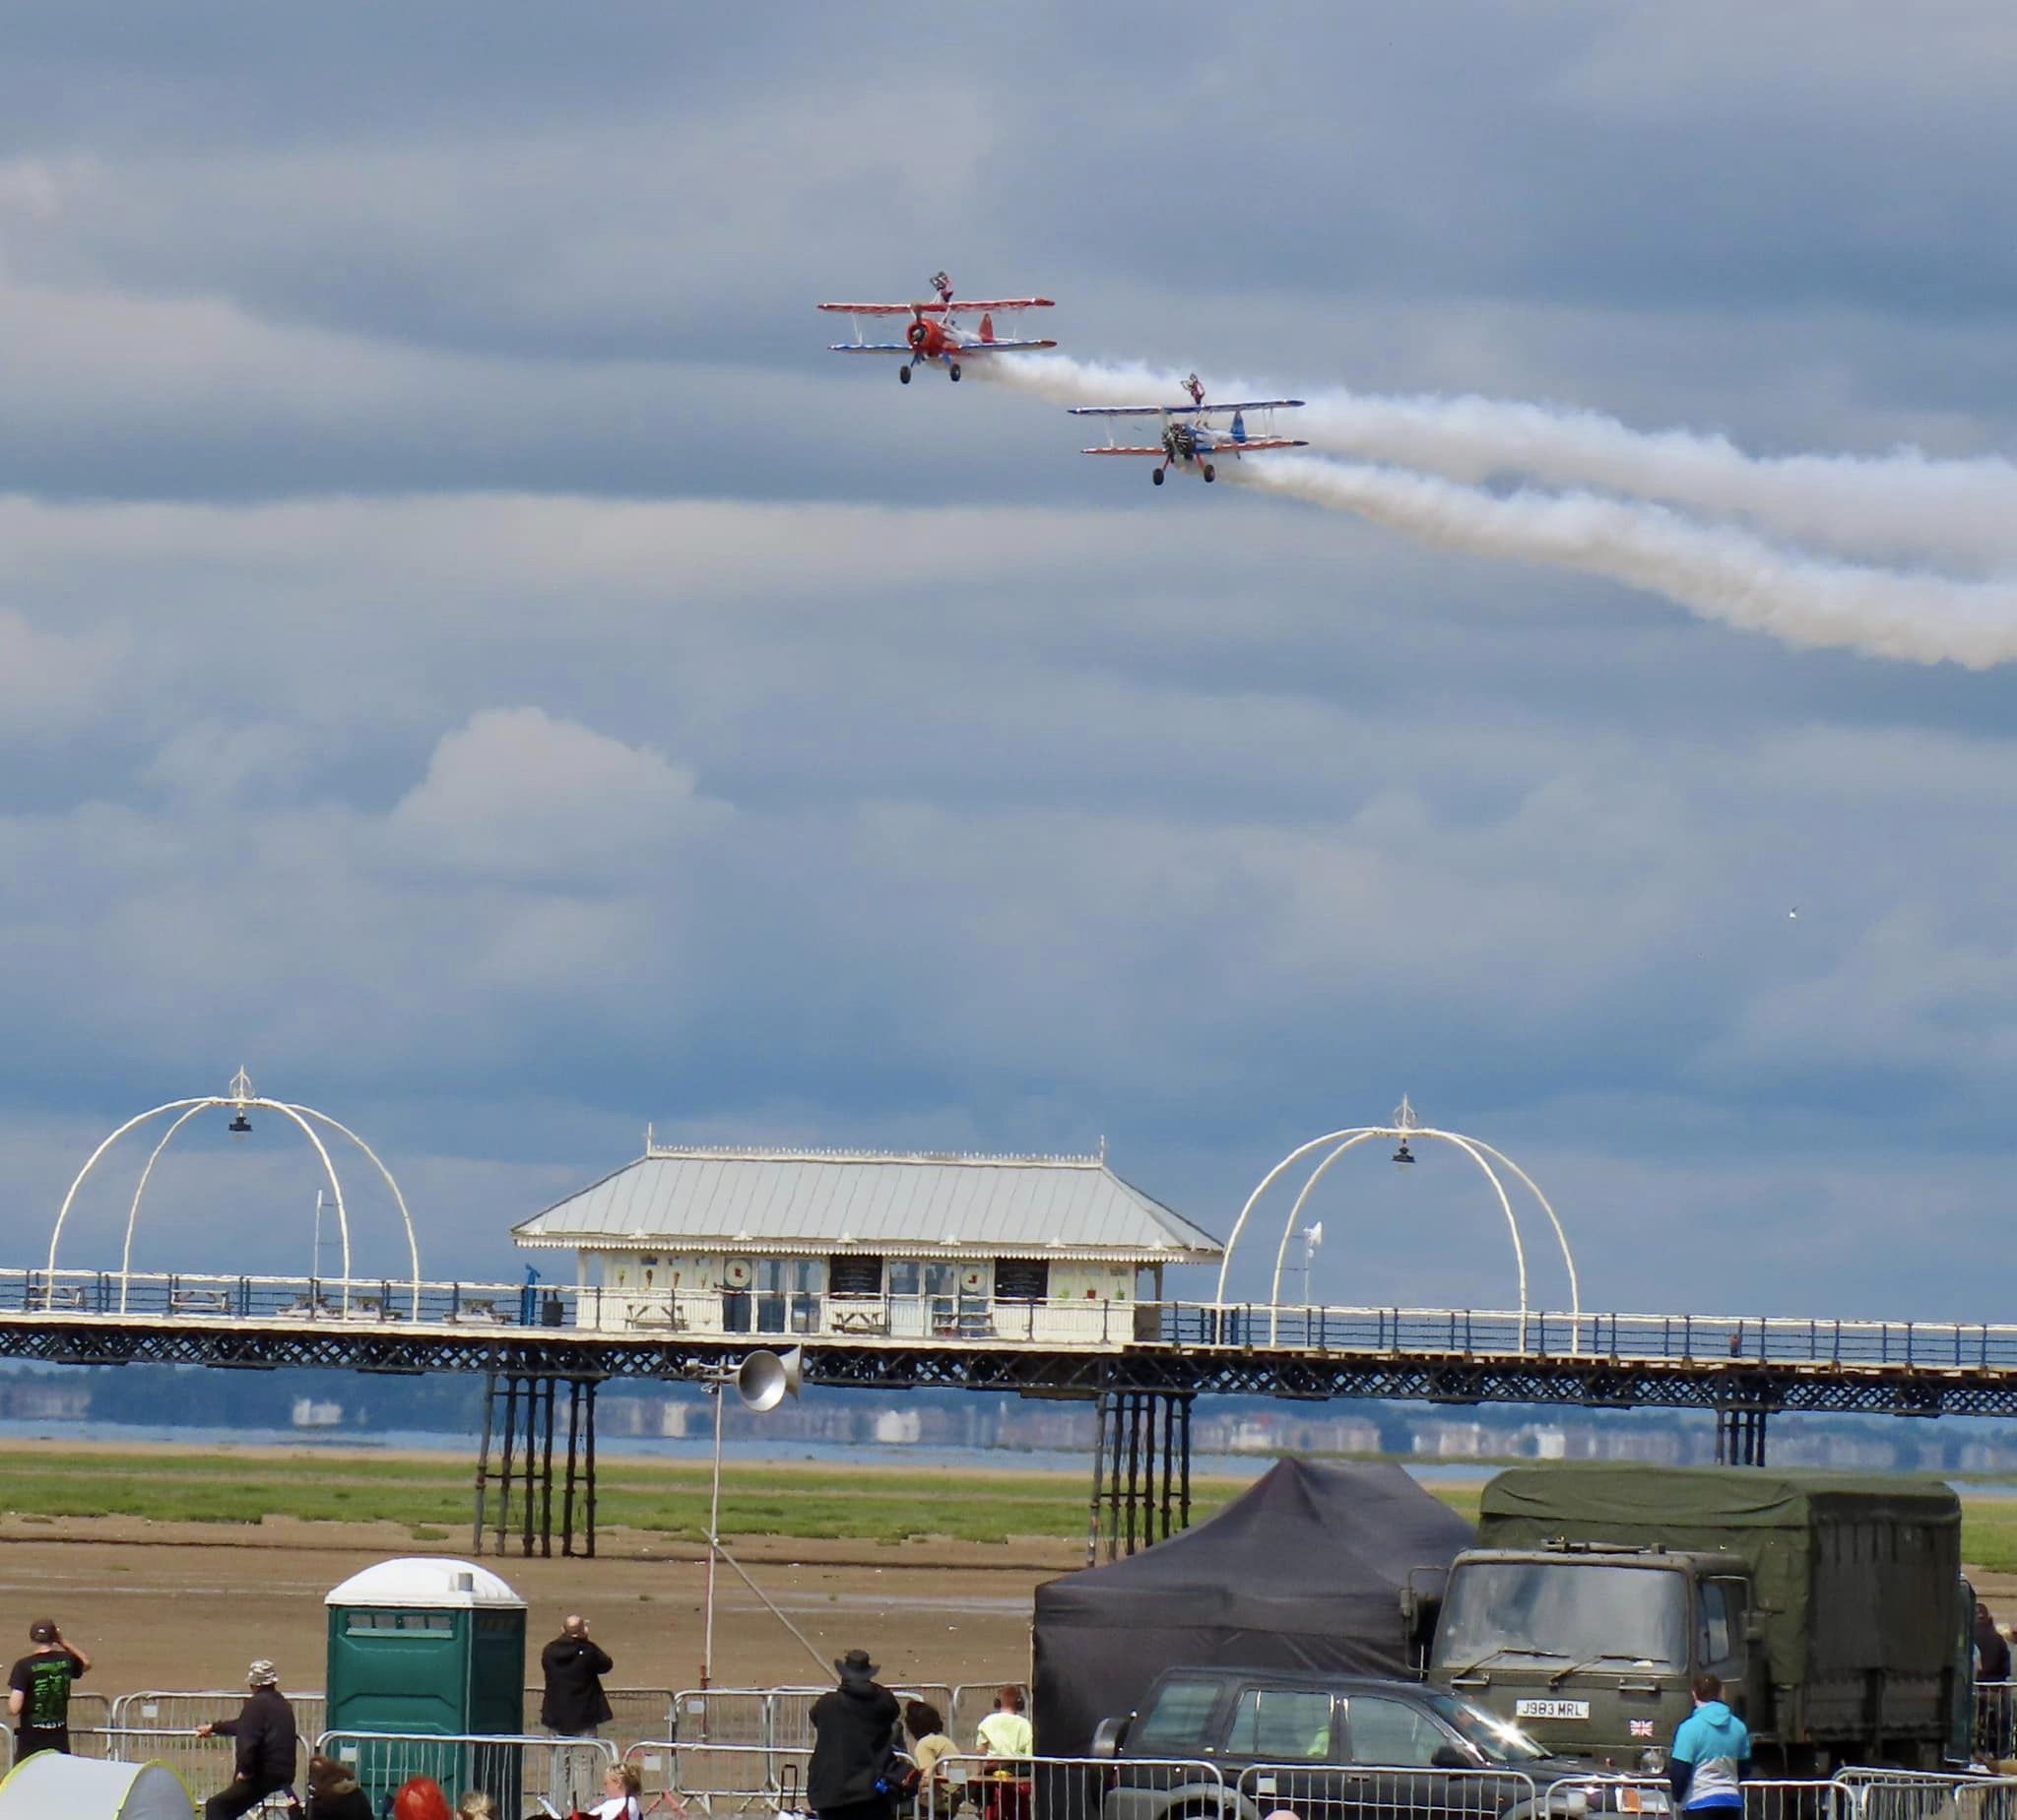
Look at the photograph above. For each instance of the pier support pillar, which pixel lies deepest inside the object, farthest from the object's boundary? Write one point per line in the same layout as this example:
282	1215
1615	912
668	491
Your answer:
514	1489
1140	1471
1741	1435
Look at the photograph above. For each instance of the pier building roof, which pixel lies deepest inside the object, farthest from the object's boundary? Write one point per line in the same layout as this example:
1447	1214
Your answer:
787	1201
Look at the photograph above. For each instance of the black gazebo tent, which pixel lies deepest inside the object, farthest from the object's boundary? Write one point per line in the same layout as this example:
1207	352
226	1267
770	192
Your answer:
1306	1570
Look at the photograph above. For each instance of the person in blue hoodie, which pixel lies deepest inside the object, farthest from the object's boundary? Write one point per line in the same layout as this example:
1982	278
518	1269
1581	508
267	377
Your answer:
1711	1749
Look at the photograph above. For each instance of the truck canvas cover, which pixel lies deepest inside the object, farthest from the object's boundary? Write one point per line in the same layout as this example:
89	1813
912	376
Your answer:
1305	1569
1851	1572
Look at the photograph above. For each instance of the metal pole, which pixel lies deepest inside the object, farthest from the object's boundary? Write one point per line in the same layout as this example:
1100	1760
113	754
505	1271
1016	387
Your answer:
504	1467
1139	1402
568	1496
1184	1503
1169	1424
532	1436
1099	1450
476	1540
546	1475
1114	1475
593	1384
713	1541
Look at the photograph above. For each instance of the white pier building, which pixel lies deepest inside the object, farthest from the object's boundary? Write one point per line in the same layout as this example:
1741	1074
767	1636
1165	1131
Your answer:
889	1246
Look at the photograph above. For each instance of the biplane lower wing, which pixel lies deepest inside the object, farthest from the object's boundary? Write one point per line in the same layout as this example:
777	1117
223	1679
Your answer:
1227	447
956	350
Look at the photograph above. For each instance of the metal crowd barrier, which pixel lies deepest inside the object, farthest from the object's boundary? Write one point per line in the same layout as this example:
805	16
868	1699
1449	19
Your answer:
519	1773
1764	1798
1074	1789
1390	1794
725	1715
778	1718
791	1709
1906	1794
721	1780
636	1713
181	1709
1995	1720
200	1762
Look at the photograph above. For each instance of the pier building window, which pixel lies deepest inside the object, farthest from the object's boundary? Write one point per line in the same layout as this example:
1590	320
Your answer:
851	1276
1021	1279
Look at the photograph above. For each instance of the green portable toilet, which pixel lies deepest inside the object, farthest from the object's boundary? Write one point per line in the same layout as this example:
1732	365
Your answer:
426	1647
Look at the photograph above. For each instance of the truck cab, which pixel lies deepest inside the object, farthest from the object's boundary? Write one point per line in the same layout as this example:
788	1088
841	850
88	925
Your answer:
1592	1651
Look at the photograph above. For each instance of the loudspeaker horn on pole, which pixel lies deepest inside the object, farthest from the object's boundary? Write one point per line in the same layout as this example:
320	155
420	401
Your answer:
764	1380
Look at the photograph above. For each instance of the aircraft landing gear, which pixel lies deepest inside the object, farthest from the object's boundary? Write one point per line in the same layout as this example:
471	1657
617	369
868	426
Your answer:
953	372
903	374
1156	477
1210	473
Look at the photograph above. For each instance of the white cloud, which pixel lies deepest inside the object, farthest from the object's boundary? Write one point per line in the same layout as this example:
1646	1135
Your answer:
518	793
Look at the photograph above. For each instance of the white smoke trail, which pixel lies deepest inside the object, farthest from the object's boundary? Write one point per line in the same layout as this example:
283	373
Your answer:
1717	571
1960	512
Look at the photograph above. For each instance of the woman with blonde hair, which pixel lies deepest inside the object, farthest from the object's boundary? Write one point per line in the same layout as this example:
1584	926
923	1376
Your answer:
622	1785
475	1805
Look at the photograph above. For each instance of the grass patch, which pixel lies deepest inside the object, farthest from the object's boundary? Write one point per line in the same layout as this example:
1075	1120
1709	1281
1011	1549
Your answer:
876	1503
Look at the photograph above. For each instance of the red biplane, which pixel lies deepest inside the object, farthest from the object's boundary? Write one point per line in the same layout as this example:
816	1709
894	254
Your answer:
1189	439
935	332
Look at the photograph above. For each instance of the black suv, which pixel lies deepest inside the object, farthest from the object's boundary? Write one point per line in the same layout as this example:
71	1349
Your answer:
1326	1747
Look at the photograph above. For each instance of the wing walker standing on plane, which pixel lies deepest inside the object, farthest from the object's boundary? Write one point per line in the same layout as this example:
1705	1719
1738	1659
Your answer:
935	332
1190	438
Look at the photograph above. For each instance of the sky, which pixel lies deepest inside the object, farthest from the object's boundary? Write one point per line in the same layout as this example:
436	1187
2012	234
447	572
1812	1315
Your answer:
469	654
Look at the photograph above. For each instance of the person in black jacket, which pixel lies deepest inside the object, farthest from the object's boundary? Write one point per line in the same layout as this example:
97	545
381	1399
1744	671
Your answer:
265	1733
575	1706
853	1775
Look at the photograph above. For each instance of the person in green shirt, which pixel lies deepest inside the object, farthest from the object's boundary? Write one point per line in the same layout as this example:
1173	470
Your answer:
39	1690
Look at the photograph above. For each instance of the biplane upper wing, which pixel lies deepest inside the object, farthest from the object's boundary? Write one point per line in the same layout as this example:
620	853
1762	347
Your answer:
1212	408
940	309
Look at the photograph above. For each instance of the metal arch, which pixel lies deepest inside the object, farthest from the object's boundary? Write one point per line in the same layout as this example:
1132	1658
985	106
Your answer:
327	1164
1225	1264
91	1163
1561	1237
133	1211
1295	1212
1403	1132
194	1106
413	1244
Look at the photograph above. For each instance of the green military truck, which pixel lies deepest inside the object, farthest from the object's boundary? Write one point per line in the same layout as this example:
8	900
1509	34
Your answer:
1832	1607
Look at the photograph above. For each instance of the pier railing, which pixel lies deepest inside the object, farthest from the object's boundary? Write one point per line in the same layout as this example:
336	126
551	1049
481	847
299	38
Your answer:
894	1321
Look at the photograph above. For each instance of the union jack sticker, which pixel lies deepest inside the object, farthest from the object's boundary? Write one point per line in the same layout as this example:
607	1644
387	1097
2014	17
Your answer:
1642	1727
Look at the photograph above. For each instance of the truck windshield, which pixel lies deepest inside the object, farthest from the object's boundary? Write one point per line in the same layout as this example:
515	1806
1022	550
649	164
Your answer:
1569	1611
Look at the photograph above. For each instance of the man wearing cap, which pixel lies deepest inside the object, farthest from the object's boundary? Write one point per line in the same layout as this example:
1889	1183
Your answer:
38	1687
852	1775
265	1733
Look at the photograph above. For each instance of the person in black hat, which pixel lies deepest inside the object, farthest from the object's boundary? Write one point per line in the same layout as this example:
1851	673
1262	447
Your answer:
39	1690
855	1769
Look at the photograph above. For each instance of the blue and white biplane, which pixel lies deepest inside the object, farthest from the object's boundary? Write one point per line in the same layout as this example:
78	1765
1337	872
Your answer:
936	333
1190	438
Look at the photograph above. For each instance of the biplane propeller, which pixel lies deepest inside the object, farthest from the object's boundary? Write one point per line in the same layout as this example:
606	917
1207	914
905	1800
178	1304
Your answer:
1190	438
936	333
